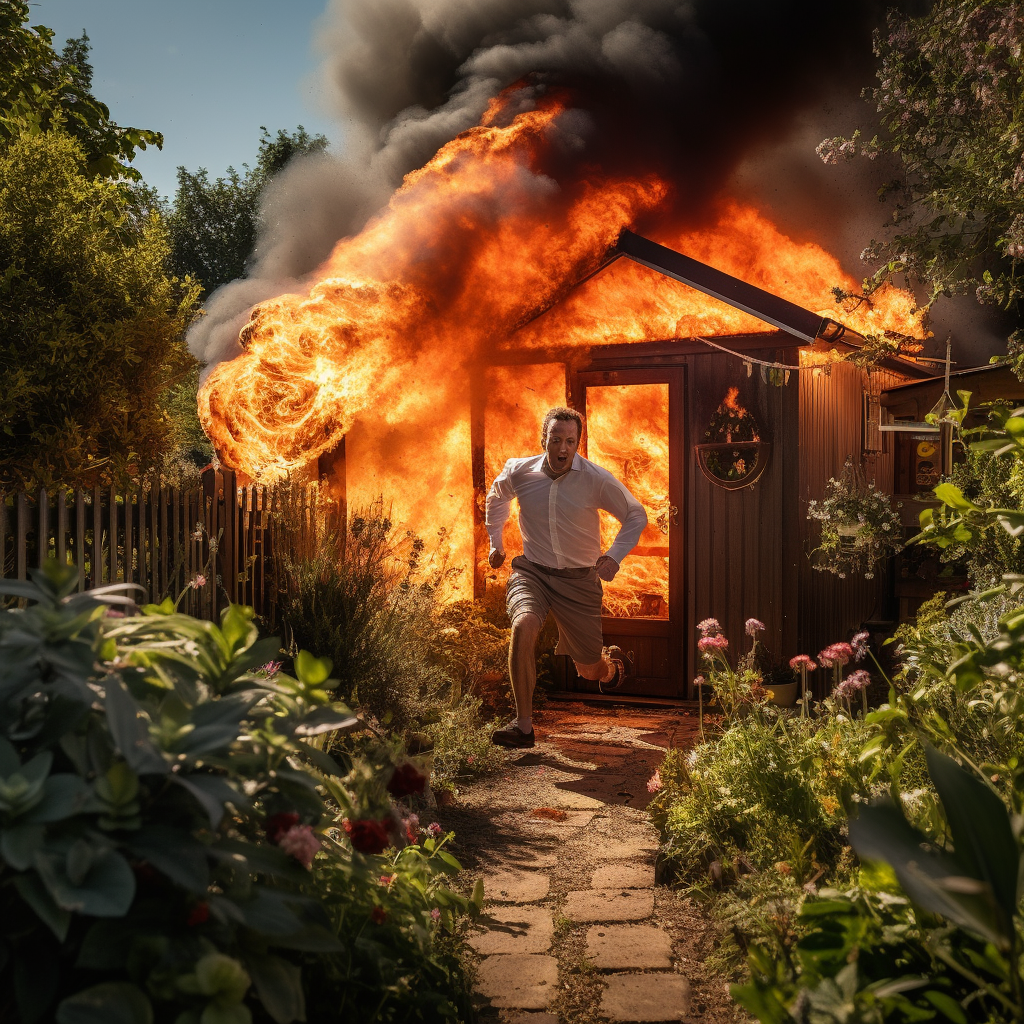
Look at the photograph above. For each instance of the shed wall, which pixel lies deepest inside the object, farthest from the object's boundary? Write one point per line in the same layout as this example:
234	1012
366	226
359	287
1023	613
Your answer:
831	428
743	559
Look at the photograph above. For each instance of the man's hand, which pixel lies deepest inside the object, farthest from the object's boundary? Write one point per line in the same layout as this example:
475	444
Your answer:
607	567
497	558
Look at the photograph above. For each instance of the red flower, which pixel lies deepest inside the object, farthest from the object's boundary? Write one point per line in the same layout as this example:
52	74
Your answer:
406	780
379	915
199	914
277	824
368	835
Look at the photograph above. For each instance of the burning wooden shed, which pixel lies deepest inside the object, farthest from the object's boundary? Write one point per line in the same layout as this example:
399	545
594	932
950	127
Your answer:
724	440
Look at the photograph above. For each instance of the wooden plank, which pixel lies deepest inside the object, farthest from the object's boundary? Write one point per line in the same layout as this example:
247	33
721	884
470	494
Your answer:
3	535
177	546
129	534
160	528
21	536
97	539
80	536
43	530
113	535
61	537
231	535
142	516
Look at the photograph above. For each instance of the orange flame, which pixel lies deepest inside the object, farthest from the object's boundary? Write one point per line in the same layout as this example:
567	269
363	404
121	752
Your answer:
387	344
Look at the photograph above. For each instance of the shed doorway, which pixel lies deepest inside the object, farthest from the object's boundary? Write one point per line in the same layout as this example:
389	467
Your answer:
634	429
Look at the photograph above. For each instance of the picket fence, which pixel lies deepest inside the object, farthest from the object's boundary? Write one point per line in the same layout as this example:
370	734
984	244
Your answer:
207	545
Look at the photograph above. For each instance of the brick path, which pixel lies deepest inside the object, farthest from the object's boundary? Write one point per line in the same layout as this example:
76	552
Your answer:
574	928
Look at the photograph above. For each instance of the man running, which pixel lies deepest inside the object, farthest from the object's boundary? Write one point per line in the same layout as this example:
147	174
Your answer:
562	566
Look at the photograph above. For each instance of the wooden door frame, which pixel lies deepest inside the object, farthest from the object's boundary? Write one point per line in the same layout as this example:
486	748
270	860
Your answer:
675	376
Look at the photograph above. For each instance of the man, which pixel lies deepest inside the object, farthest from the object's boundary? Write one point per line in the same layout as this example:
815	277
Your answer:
562	566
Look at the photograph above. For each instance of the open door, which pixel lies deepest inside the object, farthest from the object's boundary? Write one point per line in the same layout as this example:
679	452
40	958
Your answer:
635	431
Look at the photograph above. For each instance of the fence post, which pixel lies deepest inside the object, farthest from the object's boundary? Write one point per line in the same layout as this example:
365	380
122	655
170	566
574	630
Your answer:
21	536
80	536
43	531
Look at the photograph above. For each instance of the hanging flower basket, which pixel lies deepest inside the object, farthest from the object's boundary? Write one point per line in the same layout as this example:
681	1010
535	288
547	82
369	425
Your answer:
859	527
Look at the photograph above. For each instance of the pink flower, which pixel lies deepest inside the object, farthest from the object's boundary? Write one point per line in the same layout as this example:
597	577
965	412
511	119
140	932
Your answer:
387	880
434	830
802	661
300	843
709	627
270	669
835	654
654	782
707	644
198	581
859	643
470	759
853	683
754	626
435	914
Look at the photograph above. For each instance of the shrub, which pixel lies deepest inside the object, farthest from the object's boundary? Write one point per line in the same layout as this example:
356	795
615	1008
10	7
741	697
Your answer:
171	829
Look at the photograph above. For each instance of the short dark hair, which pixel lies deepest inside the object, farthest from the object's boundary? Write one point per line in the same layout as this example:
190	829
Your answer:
560	412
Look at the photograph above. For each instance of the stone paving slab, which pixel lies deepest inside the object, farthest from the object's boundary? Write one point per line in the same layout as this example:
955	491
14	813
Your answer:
517	981
534	1018
622	874
514	930
516	886
646	997
622	946
609	904
641	851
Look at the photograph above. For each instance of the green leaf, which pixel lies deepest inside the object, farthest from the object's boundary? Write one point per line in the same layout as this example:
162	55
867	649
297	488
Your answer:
37	896
107	890
129	729
932	879
310	670
237	627
946	1005
112	1002
951	495
279	986
983	838
64	795
9	761
18	844
212	792
328	719
174	853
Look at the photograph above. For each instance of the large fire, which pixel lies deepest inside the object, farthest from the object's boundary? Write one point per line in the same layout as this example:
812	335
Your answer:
399	326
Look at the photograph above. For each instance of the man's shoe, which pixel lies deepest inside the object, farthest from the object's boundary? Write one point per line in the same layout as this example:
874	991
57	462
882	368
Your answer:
623	669
512	736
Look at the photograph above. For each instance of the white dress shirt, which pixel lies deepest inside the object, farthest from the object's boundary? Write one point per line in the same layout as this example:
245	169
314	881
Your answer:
559	518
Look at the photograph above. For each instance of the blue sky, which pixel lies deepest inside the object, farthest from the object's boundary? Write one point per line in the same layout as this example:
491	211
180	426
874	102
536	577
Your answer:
206	73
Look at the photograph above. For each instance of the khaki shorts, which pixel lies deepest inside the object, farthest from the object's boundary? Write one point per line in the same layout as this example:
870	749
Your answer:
575	604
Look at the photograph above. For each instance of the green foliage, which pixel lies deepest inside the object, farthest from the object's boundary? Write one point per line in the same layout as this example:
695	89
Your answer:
859	527
213	224
171	840
949	95
91	325
766	792
41	89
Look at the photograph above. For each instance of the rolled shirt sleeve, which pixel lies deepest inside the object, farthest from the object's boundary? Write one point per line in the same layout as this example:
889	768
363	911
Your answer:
617	501
499	499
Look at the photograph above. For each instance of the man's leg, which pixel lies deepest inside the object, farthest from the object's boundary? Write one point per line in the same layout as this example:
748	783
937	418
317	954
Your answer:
522	670
522	666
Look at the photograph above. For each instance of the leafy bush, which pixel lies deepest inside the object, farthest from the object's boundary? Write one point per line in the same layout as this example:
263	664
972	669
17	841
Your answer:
176	843
369	604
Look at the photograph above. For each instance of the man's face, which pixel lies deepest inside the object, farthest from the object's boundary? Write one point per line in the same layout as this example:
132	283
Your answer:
563	437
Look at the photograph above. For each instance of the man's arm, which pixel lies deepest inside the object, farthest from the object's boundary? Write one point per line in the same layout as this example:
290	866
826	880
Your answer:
499	498
614	498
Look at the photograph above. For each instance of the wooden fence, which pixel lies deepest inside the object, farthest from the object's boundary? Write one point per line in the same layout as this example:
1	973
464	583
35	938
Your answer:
210	545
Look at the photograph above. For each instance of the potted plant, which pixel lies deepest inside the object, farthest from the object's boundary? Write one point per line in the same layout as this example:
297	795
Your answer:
860	529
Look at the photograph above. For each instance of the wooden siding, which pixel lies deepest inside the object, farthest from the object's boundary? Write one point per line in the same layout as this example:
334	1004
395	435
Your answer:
831	428
743	549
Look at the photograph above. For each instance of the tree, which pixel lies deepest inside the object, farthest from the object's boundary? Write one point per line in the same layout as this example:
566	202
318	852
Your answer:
91	325
213	224
39	87
951	104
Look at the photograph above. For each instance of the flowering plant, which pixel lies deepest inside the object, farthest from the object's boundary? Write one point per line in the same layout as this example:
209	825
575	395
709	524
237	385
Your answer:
859	527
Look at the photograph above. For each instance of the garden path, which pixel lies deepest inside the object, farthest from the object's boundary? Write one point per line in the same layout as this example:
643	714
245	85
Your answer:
574	928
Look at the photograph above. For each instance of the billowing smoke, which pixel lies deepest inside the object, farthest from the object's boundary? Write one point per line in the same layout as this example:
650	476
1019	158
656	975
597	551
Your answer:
685	89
